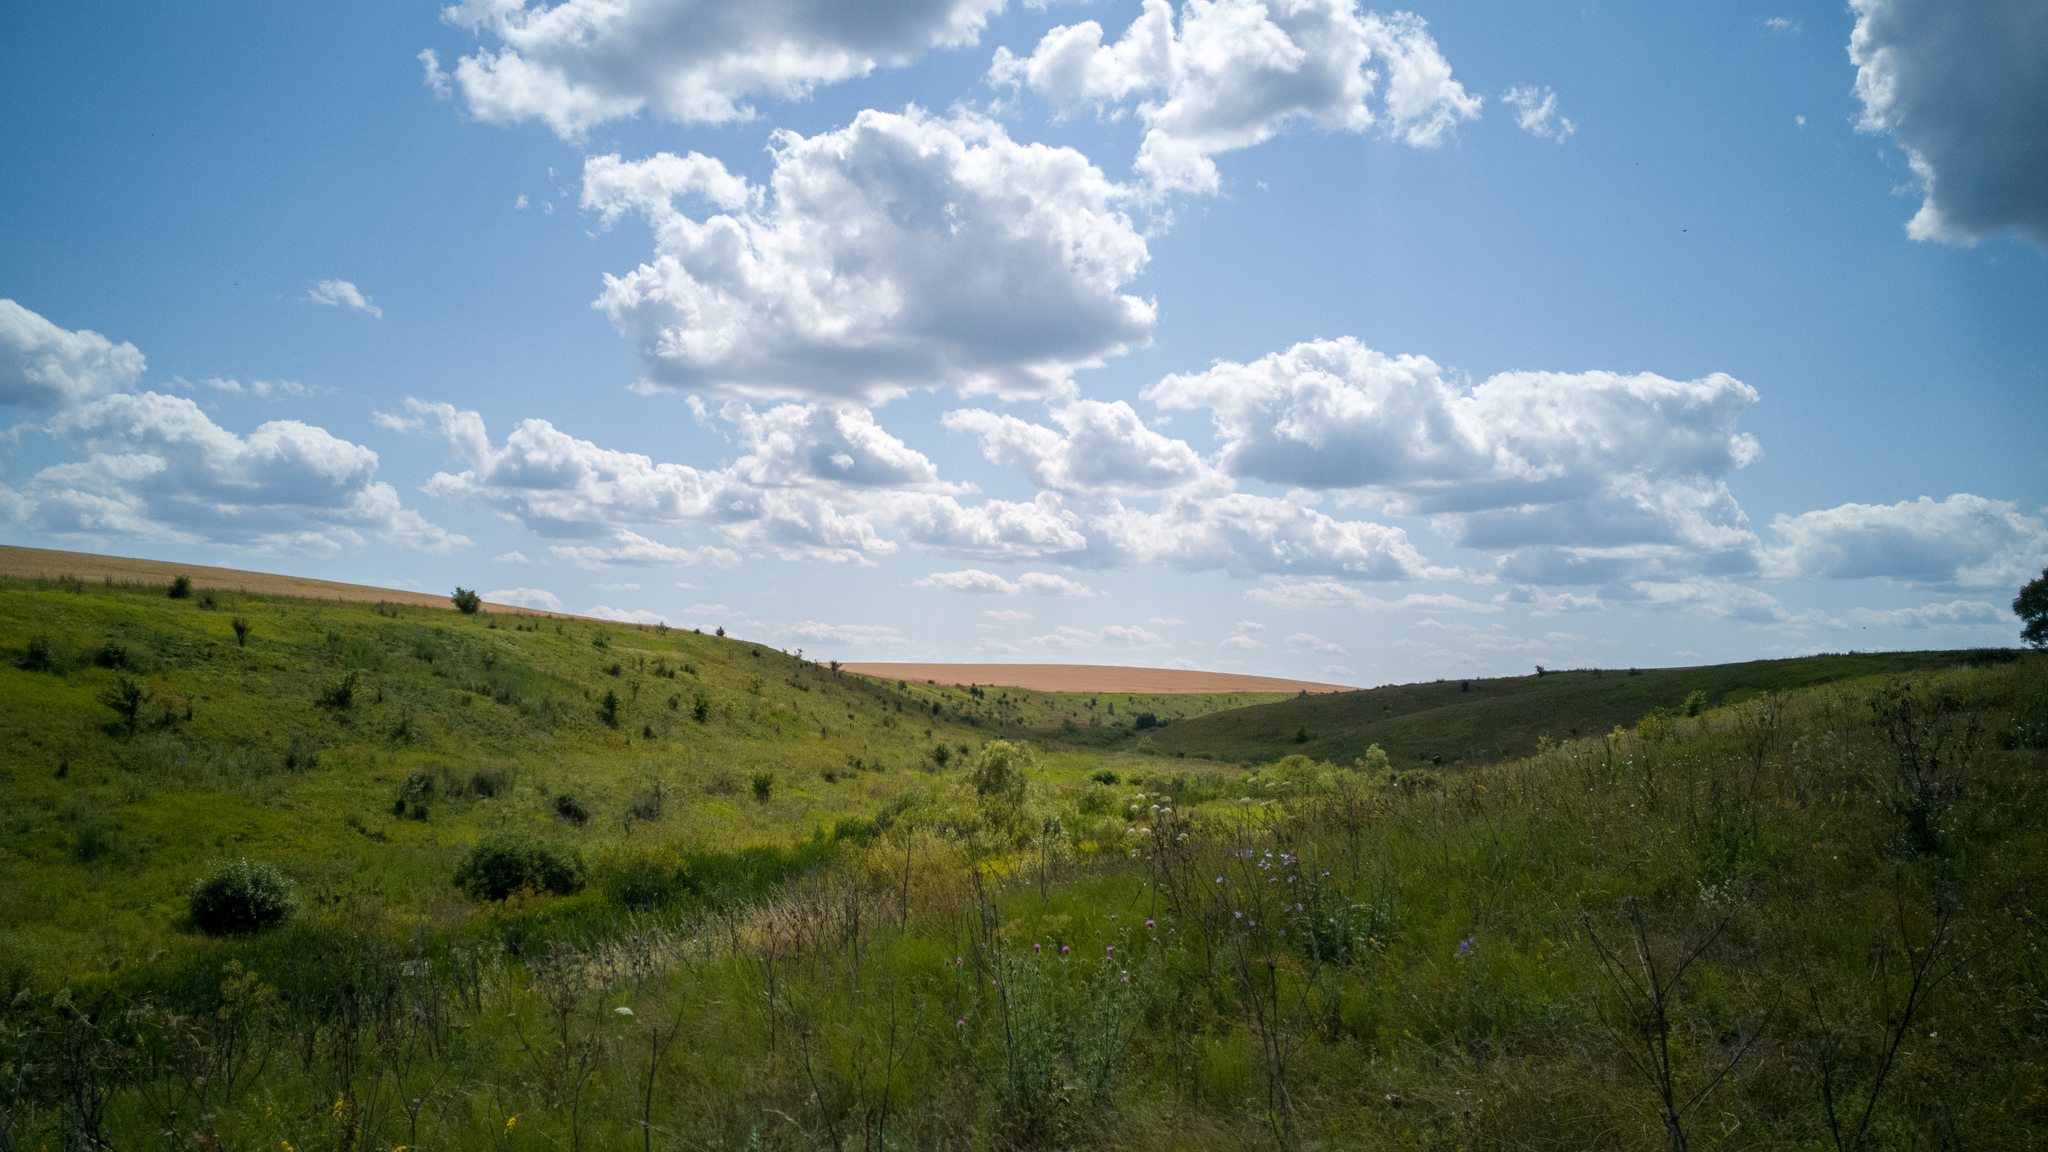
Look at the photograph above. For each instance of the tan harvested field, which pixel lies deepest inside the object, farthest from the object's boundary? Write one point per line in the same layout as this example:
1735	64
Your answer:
1089	678
47	564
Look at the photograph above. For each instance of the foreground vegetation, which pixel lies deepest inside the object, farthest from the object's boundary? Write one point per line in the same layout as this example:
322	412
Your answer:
1802	919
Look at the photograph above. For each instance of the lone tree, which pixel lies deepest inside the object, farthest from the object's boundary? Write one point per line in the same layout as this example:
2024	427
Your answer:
2031	606
467	601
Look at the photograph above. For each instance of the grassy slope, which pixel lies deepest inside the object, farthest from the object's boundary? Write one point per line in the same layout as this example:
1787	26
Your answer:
97	861
1413	961
1479	721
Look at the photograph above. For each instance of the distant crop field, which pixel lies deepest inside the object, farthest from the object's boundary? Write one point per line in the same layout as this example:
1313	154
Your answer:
1089	678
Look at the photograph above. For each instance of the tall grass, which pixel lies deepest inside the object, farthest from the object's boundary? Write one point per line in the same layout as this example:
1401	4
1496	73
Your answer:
1799	921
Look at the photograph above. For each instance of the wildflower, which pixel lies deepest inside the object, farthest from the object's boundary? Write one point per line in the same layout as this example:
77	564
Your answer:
1148	923
1465	949
1066	948
509	1122
1037	947
959	1023
1109	948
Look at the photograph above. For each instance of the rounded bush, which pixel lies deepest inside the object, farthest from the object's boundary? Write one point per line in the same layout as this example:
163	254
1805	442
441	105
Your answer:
239	897
505	862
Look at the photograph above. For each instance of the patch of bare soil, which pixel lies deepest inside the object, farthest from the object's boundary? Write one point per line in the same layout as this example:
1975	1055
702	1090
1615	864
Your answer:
1089	678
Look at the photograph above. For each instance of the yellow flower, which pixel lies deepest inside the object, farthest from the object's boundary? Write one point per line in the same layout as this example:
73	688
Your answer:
509	1122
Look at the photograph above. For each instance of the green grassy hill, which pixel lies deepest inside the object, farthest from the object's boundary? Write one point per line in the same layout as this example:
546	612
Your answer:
913	935
363	746
1481	721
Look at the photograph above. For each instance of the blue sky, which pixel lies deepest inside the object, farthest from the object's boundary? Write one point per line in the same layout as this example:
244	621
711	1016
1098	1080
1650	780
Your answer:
1299	338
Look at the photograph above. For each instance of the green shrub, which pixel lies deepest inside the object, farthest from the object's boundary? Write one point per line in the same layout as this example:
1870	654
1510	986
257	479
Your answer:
569	808
239	897
41	655
764	786
643	882
181	588
467	601
302	754
1104	776
505	862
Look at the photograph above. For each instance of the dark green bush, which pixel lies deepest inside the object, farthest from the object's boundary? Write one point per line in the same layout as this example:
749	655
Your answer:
181	588
644	884
239	897
1104	776
569	808
505	862
467	601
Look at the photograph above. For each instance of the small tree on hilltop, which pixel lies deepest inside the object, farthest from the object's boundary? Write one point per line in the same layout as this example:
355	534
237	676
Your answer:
467	601
2031	606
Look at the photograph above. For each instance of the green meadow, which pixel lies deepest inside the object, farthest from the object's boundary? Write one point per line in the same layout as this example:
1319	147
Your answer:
294	875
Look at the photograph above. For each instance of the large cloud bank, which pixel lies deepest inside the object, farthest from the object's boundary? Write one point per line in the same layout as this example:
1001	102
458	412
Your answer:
156	466
1963	89
1578	478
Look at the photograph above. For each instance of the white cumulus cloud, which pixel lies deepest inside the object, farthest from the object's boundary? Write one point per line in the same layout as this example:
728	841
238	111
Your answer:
900	252
1233	73
814	482
1962	89
1320	595
1954	614
1536	112
579	63
975	580
157	467
342	294
626	615
45	368
525	598
1964	540
1574	478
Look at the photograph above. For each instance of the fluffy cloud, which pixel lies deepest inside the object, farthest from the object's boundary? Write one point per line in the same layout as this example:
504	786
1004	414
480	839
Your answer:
1322	595
1233	73
525	598
899	252
1100	448
1718	598
975	580
342	294
1964	540
814	483
1314	643
581	62
1069	637
158	467
1102	453
45	368
1534	109
1573	478
1962	90
866	634
626	615
1954	614
633	548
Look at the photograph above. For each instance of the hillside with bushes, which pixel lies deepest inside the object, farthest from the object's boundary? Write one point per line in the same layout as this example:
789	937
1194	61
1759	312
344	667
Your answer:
321	875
